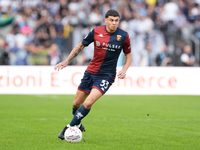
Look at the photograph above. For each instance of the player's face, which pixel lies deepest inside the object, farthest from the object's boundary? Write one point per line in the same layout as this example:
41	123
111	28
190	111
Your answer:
112	23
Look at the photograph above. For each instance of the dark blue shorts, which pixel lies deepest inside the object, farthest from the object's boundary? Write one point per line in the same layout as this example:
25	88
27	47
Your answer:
100	82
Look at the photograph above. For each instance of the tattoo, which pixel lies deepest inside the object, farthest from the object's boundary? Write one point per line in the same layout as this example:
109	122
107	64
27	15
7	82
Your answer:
76	51
125	60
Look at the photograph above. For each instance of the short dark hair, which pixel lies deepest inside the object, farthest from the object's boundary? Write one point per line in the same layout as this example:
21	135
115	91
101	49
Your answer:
112	12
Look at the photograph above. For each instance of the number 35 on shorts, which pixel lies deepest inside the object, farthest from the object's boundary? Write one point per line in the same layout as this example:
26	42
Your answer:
104	85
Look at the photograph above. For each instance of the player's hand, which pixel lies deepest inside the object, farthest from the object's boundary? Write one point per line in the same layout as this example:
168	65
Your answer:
60	66
121	74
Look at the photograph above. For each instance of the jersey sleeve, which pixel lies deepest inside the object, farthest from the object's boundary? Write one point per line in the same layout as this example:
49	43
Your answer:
127	45
89	38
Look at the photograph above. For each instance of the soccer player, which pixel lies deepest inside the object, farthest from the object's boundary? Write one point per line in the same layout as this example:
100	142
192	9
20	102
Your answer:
108	40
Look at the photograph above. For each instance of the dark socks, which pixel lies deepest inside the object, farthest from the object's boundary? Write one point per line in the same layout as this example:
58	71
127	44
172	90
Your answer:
73	111
79	115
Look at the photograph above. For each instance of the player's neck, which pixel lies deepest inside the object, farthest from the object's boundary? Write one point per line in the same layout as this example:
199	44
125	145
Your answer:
109	30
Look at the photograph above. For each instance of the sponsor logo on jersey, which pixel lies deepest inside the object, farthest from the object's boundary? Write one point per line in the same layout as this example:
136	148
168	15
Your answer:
98	43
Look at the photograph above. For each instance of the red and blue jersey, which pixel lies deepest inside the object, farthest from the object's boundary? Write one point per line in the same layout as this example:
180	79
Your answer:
107	47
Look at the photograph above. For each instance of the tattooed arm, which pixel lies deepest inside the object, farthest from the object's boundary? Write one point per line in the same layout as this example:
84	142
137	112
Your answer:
127	63
75	52
71	56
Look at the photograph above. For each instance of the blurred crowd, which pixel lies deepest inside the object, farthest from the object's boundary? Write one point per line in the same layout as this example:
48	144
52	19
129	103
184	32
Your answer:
43	32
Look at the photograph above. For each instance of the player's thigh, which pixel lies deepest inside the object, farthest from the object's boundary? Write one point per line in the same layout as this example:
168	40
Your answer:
103	83
79	98
94	95
86	82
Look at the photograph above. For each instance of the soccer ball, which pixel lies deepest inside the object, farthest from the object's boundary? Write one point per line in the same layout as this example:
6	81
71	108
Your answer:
73	135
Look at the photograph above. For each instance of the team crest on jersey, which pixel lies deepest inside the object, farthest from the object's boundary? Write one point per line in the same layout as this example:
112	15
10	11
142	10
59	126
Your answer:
119	37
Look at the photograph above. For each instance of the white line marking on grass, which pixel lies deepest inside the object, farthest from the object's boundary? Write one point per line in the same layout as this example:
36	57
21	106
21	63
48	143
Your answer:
52	119
148	119
41	118
47	96
105	119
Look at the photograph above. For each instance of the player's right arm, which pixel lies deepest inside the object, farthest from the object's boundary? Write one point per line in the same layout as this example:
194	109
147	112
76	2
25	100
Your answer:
71	56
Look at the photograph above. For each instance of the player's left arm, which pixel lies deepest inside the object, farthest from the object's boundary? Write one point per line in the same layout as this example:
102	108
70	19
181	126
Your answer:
127	58
127	63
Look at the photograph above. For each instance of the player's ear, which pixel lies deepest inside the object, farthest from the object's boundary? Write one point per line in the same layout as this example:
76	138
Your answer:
105	20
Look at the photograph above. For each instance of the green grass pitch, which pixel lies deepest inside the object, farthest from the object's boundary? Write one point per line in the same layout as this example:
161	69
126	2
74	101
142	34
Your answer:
33	122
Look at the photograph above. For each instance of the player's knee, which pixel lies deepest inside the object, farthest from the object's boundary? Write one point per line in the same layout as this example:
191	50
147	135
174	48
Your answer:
88	105
76	105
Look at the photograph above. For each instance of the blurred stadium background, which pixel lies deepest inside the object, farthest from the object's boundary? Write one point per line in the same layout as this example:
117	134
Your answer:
43	32
37	34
